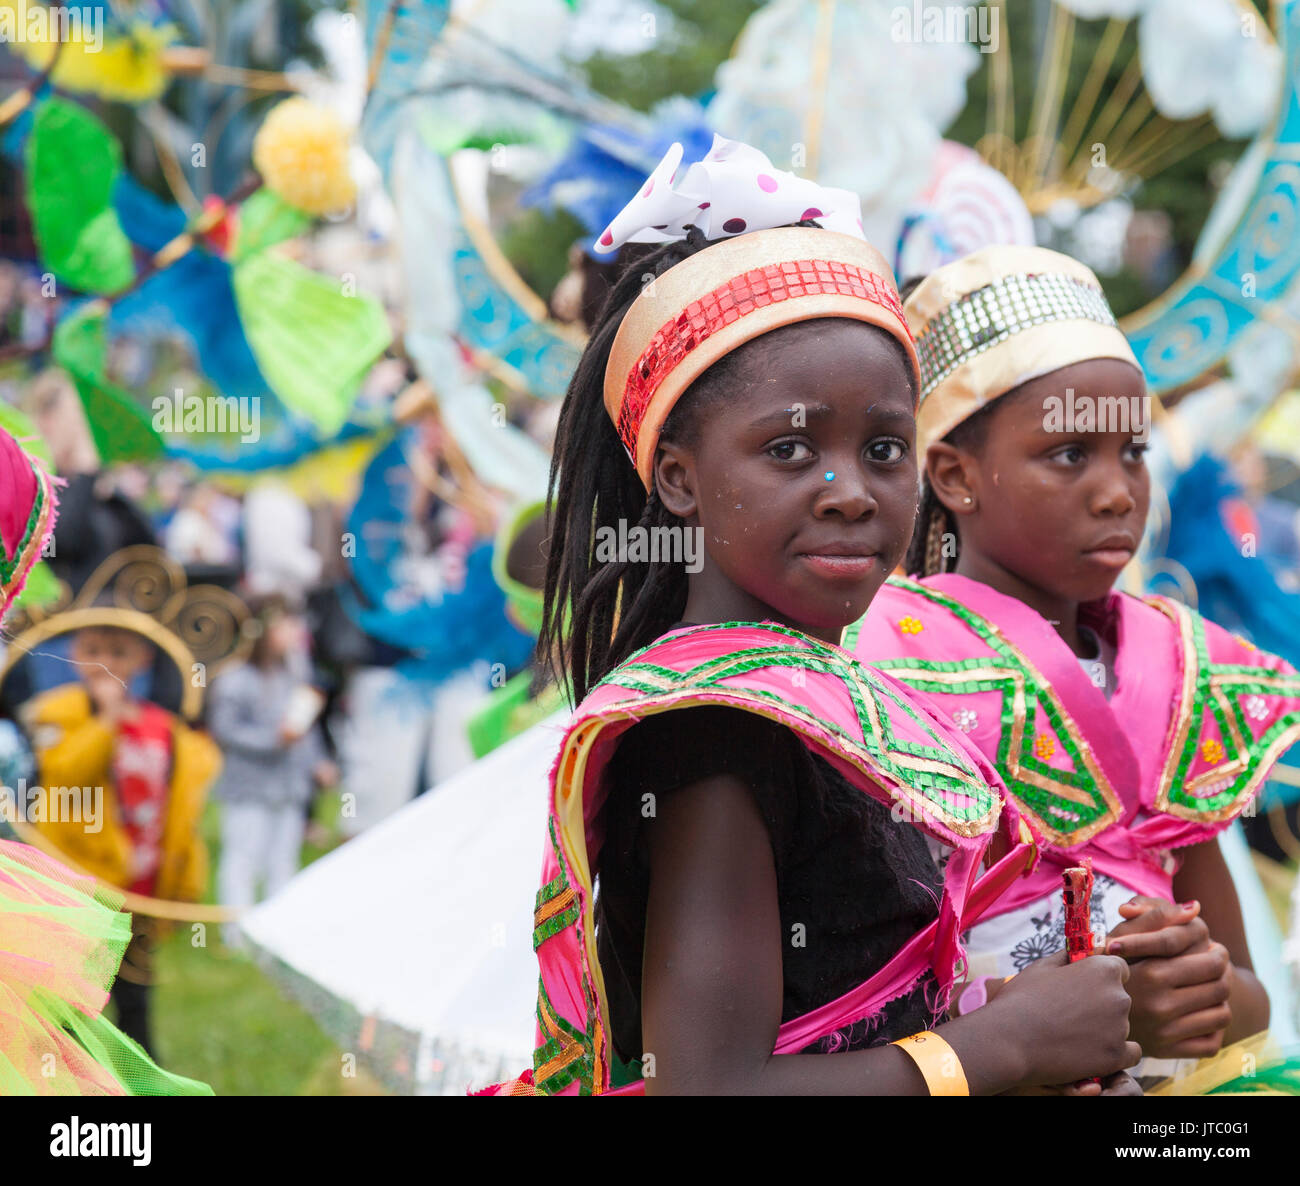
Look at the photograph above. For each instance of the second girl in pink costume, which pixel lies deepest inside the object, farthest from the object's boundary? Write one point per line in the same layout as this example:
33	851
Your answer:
1128	730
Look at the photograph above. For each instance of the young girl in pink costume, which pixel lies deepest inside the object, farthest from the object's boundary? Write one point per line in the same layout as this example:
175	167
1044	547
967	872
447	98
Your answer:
1129	731
736	865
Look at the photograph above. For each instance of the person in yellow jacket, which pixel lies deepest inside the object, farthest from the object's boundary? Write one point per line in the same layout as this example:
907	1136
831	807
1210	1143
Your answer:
154	772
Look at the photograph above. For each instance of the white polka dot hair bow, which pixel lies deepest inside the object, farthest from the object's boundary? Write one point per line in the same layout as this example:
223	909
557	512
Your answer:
734	189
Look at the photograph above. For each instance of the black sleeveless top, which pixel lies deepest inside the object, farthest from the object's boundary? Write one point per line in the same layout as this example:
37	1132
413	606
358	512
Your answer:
861	884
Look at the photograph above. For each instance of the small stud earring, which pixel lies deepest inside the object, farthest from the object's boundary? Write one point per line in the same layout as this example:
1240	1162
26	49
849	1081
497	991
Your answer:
968	500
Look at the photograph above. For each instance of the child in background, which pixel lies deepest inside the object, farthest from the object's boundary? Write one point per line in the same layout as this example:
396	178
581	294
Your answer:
263	715
155	772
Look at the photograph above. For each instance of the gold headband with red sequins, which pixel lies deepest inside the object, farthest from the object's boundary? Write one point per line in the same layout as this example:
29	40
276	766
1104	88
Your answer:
730	293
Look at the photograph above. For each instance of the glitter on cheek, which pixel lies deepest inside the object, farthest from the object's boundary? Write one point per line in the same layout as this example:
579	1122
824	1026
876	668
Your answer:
830	475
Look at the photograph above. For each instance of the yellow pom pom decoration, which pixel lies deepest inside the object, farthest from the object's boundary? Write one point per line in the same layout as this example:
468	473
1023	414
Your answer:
301	151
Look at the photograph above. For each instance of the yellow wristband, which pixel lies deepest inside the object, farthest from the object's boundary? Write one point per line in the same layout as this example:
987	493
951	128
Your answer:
937	1061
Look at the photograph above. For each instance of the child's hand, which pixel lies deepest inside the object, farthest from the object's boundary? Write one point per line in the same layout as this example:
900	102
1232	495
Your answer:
1120	1083
1070	1020
1180	979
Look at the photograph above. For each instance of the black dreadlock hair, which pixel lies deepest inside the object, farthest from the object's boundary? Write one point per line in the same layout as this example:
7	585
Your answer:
591	486
908	287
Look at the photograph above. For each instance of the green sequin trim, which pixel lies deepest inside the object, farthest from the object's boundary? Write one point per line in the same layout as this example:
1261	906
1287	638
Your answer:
809	654
552	889
1057	814
579	1069
557	922
10	564
849	639
1062	815
1234	680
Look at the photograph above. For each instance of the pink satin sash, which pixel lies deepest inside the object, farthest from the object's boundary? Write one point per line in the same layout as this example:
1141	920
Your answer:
939	943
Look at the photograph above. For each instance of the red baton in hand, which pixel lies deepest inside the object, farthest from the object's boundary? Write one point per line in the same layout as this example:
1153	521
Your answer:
1077	892
1078	910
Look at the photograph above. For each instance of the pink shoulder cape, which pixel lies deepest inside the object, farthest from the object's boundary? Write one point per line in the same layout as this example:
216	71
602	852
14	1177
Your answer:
867	726
1196	719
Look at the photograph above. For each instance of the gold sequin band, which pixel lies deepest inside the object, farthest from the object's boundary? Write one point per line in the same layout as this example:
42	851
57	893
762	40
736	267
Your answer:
999	318
992	314
730	293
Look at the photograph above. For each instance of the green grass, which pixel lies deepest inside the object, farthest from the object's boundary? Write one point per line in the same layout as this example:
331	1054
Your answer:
219	1019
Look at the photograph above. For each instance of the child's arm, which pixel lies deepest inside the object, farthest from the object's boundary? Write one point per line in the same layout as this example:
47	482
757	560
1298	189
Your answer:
1204	876
712	987
1192	986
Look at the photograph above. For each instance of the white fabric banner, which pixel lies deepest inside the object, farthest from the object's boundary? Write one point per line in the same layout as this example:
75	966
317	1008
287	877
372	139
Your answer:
426	920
